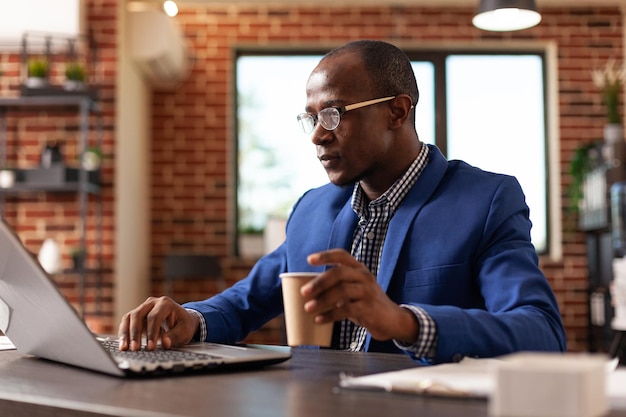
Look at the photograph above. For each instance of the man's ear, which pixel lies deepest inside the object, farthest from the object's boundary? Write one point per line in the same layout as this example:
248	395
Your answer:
400	110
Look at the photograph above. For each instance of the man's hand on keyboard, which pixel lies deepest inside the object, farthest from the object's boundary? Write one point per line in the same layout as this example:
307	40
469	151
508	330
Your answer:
160	319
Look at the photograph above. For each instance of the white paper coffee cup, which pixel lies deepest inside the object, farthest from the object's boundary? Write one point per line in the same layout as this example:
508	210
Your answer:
301	327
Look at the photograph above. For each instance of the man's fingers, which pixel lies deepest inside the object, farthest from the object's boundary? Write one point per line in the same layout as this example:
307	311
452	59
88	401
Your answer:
154	321
133	325
166	341
164	316
332	257
122	333
337	303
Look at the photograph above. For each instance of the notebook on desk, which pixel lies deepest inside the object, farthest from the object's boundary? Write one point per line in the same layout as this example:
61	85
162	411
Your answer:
39	321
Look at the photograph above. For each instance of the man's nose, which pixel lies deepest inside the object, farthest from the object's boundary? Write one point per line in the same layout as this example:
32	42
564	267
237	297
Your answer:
320	136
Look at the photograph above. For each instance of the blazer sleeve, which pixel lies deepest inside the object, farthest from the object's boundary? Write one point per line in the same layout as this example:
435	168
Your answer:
246	306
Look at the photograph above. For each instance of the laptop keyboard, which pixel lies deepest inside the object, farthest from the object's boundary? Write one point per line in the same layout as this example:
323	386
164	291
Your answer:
159	359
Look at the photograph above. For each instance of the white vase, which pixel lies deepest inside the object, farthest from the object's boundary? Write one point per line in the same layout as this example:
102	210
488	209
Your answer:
50	256
7	178
36	82
251	245
613	133
274	233
72	85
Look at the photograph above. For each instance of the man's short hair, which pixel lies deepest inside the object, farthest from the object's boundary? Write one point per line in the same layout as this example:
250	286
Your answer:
389	67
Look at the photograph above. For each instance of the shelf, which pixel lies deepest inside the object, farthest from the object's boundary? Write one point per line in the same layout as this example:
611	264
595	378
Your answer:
58	91
74	100
68	187
73	271
60	178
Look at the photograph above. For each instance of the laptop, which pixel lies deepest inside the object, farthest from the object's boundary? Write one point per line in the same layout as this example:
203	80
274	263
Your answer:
39	321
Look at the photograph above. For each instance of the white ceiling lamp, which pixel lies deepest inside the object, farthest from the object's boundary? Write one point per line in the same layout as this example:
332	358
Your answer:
170	8
506	15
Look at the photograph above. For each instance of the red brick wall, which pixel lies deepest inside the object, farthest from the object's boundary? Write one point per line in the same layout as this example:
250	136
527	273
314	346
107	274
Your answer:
192	127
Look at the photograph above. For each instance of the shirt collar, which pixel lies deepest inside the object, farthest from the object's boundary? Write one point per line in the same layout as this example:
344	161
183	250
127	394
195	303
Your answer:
398	190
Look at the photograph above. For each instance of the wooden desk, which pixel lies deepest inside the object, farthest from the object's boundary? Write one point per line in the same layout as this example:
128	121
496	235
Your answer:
304	386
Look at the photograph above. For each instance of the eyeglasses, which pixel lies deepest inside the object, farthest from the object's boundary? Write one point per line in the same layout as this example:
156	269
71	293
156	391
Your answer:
330	117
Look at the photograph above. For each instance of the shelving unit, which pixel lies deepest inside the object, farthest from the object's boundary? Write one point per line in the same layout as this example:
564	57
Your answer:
595	222
85	106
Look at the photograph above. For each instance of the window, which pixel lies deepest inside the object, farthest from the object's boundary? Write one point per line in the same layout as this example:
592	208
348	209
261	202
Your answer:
490	110
34	18
276	161
501	128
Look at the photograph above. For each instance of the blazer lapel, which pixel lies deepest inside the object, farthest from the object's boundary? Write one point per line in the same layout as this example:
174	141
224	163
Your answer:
406	213
342	232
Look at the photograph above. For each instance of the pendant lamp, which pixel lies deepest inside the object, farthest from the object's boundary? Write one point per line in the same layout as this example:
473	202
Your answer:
506	15
170	8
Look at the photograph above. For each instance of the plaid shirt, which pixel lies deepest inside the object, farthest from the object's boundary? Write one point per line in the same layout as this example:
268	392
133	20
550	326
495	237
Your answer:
367	247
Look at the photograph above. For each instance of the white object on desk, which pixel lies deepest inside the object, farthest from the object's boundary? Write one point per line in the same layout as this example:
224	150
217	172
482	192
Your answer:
616	389
468	378
618	294
475	378
5	344
5	319
5	315
537	384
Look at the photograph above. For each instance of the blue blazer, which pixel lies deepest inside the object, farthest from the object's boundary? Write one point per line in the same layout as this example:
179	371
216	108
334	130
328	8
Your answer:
458	247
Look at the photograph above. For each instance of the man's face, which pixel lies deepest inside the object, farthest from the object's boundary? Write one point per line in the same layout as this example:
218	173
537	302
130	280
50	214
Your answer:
356	149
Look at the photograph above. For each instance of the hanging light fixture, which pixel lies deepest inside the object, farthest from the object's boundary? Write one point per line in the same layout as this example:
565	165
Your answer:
170	8
506	15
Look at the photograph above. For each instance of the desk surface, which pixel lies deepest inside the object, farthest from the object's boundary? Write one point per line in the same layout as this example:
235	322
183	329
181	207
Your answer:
304	386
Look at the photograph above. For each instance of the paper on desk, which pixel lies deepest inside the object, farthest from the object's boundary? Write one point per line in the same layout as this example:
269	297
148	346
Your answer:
5	343
468	378
616	388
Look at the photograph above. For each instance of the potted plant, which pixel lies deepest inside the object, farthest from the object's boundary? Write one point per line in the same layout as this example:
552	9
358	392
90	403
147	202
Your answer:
91	159
586	157
74	76
610	81
79	255
37	73
250	242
